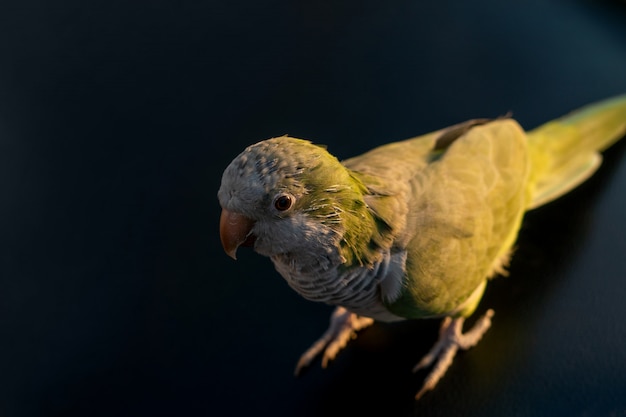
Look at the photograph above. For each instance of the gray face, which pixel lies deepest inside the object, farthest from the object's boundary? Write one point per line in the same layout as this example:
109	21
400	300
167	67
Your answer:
265	184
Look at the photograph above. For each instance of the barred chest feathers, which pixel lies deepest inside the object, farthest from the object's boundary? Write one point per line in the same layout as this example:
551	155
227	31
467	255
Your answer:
359	289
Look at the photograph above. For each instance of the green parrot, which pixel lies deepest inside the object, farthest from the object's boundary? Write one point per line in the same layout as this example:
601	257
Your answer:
409	230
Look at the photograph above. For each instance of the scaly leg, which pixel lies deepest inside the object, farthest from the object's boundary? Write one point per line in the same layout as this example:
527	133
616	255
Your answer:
343	327
450	340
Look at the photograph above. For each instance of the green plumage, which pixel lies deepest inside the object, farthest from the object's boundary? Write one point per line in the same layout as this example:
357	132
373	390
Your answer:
460	211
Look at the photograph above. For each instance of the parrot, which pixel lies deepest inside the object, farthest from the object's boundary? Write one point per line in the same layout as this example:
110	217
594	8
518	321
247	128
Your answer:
412	229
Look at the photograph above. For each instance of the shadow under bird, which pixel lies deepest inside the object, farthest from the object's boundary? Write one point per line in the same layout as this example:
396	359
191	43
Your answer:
409	230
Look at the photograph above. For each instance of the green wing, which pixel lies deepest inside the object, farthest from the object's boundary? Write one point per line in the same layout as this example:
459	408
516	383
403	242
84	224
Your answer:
456	210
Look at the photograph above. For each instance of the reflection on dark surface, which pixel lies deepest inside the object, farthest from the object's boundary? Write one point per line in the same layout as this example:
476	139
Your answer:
116	121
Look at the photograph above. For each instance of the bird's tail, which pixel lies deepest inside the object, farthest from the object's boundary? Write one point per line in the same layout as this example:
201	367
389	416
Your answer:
566	151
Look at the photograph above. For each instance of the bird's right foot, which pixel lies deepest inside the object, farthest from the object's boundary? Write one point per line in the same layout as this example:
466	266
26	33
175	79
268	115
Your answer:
343	328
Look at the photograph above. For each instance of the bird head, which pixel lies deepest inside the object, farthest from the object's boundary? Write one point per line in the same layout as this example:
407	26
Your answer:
284	195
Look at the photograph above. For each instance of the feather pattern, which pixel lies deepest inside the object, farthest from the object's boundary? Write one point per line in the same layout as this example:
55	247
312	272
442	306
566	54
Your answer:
360	290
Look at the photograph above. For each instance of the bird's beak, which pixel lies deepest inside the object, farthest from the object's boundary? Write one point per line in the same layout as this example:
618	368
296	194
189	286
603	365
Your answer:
234	230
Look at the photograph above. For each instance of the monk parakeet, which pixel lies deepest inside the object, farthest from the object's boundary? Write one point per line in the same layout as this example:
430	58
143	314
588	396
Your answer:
409	230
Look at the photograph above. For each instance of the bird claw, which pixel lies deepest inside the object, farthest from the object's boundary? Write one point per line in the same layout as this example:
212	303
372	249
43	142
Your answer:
343	327
451	339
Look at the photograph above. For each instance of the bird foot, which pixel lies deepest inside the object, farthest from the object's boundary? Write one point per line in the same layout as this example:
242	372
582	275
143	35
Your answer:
343	328
450	340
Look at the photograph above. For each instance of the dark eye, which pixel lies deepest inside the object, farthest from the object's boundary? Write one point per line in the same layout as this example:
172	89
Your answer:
283	202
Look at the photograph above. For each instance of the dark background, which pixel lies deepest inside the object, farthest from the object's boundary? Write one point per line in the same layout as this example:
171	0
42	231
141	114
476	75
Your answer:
117	119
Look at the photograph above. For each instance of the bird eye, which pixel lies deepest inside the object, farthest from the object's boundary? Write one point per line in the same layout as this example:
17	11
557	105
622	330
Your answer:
283	202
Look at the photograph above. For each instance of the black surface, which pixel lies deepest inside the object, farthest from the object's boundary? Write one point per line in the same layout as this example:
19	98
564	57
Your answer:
116	122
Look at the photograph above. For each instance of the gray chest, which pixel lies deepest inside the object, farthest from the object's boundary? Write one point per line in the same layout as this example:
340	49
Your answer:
359	289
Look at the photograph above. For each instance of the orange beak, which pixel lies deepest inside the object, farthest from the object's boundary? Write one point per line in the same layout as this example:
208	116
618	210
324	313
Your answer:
234	231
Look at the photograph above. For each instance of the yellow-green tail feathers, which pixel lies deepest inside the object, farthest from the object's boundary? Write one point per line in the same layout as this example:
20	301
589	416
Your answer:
566	151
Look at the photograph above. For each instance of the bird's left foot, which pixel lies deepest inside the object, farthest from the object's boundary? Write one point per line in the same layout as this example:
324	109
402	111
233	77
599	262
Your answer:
450	340
343	328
